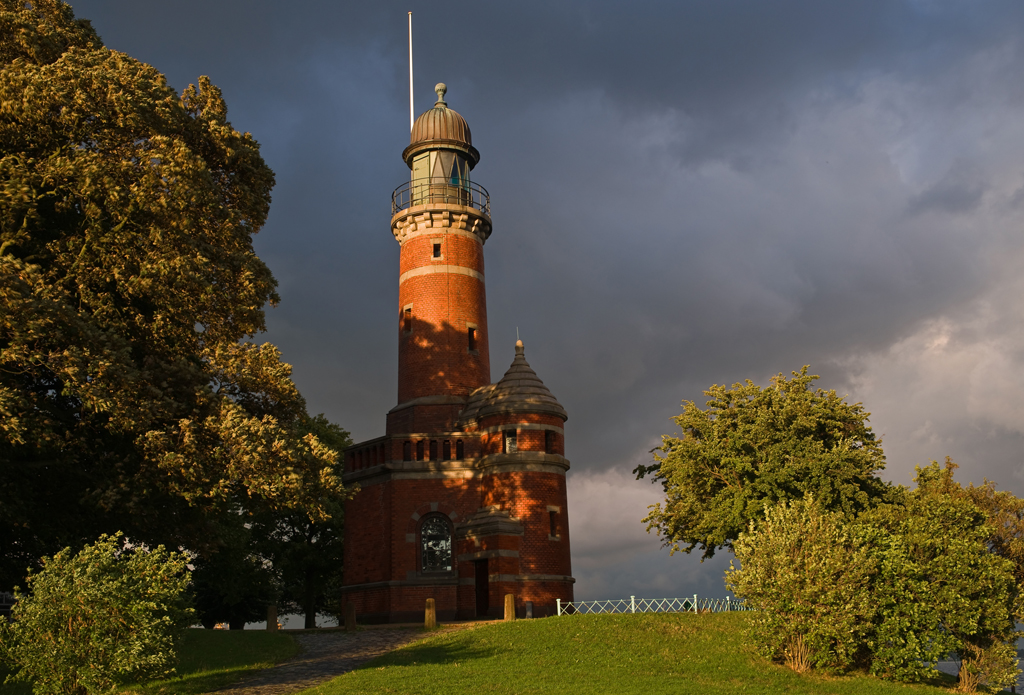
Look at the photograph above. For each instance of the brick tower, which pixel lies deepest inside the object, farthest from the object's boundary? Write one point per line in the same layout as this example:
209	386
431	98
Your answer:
463	499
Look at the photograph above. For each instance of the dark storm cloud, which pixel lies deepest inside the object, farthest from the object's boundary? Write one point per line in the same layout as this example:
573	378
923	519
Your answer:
683	194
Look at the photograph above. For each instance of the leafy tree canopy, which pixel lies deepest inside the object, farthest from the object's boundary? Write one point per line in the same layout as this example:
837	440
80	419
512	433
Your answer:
130	393
752	447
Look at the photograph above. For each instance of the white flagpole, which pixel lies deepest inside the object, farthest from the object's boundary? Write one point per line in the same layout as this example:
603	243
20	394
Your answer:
412	113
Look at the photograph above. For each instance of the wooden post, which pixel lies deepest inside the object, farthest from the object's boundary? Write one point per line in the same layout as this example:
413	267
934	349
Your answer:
430	615
350	617
510	607
272	617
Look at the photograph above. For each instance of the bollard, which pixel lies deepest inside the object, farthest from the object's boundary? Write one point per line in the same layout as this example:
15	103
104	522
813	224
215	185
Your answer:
430	615
271	617
510	607
350	617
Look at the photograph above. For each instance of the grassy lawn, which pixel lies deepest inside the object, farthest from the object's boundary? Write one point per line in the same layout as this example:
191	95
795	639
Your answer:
210	659
622	654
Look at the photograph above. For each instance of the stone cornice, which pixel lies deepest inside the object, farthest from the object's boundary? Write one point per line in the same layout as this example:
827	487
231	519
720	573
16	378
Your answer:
430	218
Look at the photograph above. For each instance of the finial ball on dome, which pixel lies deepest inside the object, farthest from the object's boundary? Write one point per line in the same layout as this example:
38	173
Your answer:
441	88
520	350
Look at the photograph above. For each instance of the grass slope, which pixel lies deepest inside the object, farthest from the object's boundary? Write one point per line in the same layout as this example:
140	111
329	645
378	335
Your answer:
209	659
212	659
622	654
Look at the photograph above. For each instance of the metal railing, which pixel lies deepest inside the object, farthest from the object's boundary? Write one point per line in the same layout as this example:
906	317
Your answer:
425	191
651	605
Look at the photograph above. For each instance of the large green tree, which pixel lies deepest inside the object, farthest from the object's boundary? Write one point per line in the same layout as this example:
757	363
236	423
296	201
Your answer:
131	395
753	447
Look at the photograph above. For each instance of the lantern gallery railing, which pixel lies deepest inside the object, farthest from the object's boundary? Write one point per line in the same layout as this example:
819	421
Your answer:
426	191
652	605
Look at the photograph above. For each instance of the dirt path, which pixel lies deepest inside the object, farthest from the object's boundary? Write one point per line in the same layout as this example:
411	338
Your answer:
325	656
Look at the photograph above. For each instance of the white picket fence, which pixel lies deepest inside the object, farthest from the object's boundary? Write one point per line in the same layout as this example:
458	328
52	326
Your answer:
652	605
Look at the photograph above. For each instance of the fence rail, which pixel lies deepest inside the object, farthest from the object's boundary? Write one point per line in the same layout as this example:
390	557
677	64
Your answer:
652	605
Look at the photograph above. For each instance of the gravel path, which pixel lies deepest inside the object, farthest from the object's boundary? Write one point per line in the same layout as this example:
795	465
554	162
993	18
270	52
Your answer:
323	657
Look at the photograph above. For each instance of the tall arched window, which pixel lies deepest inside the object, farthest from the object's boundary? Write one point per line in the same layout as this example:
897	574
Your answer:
436	544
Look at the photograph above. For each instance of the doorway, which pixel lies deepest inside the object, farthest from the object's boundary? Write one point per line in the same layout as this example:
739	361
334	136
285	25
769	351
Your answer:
483	587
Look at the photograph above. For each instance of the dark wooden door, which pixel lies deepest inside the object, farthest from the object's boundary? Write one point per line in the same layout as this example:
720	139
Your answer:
483	587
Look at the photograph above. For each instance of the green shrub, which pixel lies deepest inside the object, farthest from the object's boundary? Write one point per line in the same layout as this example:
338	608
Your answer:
940	589
809	580
107	615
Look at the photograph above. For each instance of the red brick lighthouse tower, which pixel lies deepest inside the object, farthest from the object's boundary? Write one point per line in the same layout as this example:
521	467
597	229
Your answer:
463	499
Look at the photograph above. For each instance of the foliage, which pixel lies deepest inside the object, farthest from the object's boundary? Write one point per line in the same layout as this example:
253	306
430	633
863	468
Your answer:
900	587
130	395
809	578
106	615
753	447
307	555
939	588
274	557
699	654
233	585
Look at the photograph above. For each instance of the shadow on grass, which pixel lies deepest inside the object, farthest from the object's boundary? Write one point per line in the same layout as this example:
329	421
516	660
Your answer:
439	649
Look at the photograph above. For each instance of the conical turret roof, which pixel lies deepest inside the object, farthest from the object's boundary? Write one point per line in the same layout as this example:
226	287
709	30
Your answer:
519	391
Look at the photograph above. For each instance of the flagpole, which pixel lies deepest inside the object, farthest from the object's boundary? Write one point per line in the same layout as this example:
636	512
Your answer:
412	113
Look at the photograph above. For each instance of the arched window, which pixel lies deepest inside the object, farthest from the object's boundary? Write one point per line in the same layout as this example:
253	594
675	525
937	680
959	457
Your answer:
436	544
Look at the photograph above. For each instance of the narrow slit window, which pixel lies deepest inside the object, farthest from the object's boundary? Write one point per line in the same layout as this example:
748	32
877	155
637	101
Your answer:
407	320
407	451
471	334
437	250
433	449
553	521
549	442
447	450
419	450
510	442
460	452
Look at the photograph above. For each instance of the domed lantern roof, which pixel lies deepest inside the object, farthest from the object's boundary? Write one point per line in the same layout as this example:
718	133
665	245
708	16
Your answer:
441	128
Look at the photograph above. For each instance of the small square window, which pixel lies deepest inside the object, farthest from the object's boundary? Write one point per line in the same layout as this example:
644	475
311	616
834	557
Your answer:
437	250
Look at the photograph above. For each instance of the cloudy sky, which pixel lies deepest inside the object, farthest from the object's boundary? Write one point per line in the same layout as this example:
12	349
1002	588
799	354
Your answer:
683	193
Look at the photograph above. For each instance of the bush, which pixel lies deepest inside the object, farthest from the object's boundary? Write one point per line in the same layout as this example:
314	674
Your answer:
940	589
898	588
809	580
107	615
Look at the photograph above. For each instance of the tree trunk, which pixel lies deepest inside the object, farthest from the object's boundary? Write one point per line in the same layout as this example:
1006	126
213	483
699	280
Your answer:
309	605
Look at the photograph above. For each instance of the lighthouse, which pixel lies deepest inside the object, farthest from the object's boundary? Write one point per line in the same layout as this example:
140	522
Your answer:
463	499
